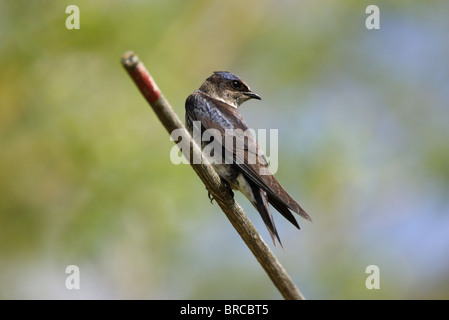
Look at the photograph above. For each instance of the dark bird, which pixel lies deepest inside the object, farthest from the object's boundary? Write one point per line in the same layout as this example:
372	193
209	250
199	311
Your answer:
215	105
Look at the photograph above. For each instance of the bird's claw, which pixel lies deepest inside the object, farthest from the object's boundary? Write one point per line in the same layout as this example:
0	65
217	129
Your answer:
211	198
228	186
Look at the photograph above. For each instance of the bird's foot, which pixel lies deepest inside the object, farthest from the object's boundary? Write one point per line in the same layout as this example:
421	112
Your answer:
211	198
228	186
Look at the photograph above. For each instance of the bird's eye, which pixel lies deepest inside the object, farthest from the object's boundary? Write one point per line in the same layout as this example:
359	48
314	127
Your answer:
237	85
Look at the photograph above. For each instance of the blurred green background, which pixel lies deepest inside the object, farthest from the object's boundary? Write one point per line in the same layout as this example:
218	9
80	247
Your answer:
86	178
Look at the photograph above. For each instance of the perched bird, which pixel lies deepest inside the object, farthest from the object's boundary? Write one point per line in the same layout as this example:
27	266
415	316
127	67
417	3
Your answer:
215	104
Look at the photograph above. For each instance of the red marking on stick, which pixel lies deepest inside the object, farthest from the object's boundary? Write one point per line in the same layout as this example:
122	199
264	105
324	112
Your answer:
141	77
147	85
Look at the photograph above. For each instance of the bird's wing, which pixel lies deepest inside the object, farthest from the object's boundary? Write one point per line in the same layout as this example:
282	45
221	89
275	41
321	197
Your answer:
244	152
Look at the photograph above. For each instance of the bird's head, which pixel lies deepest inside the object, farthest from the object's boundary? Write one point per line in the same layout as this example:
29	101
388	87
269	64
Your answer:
227	87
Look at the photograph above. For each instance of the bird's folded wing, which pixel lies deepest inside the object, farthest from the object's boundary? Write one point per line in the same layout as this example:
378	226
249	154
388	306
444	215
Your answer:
243	151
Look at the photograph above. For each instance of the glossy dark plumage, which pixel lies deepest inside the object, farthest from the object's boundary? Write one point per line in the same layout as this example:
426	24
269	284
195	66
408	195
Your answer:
215	104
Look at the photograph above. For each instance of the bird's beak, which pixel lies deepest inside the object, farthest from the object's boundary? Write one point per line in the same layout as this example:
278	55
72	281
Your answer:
252	95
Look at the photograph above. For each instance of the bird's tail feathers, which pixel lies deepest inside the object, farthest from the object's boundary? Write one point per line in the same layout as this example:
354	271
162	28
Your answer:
262	206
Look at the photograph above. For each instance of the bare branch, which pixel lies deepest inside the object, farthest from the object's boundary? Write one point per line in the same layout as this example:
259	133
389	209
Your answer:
211	180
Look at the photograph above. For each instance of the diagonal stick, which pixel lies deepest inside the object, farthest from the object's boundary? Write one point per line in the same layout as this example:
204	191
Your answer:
211	180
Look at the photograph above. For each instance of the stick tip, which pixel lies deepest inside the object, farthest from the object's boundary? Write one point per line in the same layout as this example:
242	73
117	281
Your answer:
129	60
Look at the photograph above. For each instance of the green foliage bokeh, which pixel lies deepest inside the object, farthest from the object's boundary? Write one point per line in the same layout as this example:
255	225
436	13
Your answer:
85	173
